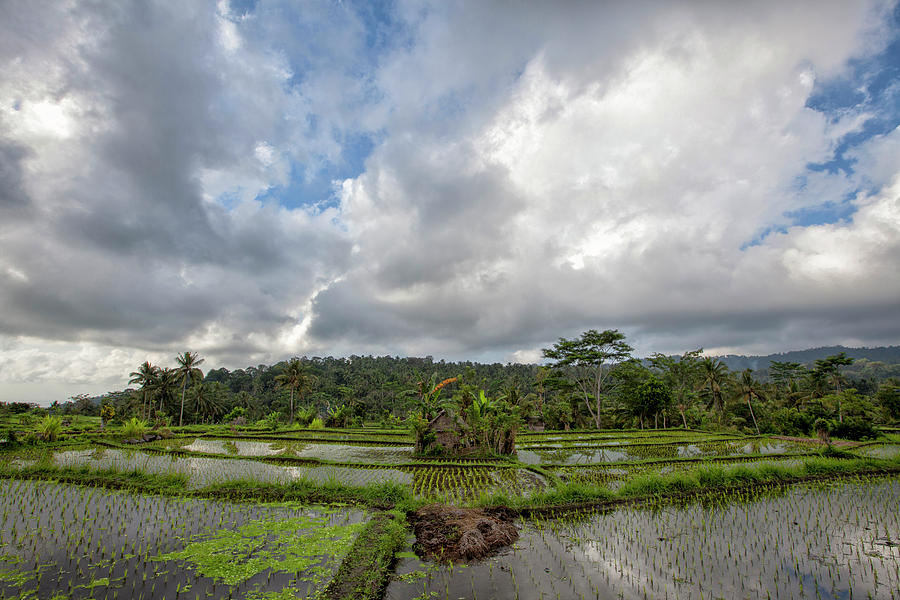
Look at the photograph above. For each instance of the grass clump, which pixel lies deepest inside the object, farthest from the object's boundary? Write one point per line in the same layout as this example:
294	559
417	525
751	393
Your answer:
49	428
134	428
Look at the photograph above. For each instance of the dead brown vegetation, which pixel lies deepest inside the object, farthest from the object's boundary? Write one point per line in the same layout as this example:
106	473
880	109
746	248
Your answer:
448	533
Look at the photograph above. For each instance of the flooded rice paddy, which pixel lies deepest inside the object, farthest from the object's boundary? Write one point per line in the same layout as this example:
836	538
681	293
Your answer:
60	541
835	541
63	541
554	453
332	452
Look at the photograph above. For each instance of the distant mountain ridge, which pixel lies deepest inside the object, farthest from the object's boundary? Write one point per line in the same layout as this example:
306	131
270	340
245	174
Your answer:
885	354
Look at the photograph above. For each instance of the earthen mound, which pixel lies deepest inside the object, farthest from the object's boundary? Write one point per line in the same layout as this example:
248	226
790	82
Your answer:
447	533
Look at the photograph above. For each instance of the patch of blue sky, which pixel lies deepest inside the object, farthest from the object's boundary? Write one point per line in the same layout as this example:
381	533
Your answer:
870	84
313	187
307	50
242	7
384	30
821	214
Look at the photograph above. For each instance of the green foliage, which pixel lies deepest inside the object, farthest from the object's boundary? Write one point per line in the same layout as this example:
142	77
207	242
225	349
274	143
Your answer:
365	572
50	428
10	437
188	372
790	421
316	423
558	414
855	428
234	413
272	421
337	416
295	378
585	361
305	415
134	428
888	397
107	413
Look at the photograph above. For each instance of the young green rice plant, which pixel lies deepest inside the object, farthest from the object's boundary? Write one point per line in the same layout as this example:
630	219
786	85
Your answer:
69	541
807	542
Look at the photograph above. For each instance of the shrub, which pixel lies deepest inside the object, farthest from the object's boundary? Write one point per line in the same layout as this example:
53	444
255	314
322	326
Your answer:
107	412
134	428
790	421
305	415
49	428
317	424
236	412
9	438
272	420
855	428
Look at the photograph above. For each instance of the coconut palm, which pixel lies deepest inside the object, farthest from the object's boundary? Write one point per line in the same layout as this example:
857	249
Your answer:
164	387
714	376
145	377
295	378
187	372
749	388
206	402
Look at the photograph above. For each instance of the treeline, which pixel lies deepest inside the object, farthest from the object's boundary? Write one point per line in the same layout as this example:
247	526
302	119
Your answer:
591	381
889	355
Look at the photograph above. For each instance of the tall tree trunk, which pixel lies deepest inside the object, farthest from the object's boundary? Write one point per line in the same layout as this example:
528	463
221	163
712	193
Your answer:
750	406
183	388
683	420
291	422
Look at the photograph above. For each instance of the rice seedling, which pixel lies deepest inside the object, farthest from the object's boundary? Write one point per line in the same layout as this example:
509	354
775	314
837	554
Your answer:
62	539
808	542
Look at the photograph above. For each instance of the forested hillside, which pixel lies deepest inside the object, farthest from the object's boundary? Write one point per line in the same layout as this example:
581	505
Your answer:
883	354
594	381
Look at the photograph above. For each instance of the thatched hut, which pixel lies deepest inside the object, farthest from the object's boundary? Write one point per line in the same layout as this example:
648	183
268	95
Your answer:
535	424
447	431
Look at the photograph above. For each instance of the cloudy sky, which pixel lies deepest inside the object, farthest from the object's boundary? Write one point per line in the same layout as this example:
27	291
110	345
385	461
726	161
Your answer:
260	179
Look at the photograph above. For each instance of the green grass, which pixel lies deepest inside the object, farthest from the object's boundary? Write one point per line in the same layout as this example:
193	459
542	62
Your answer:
696	482
135	481
365	571
379	494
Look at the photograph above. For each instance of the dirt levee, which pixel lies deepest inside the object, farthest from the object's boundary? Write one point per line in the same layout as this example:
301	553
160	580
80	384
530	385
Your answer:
448	533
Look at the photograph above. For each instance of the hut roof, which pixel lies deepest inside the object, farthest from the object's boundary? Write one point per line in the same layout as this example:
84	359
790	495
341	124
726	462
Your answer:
444	422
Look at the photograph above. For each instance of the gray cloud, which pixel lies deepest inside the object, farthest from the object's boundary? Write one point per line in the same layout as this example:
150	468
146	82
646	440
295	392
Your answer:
537	172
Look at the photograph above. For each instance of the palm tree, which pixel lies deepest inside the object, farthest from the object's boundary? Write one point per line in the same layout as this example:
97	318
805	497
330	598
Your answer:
715	374
295	378
749	388
187	371
145	376
206	402
165	386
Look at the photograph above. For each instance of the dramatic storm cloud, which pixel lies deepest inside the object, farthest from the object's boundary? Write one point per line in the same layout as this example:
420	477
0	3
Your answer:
256	180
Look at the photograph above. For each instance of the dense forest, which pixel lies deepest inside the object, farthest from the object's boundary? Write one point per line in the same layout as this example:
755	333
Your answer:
591	381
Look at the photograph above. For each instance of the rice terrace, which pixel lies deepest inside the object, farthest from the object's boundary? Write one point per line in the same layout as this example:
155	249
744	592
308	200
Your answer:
468	488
